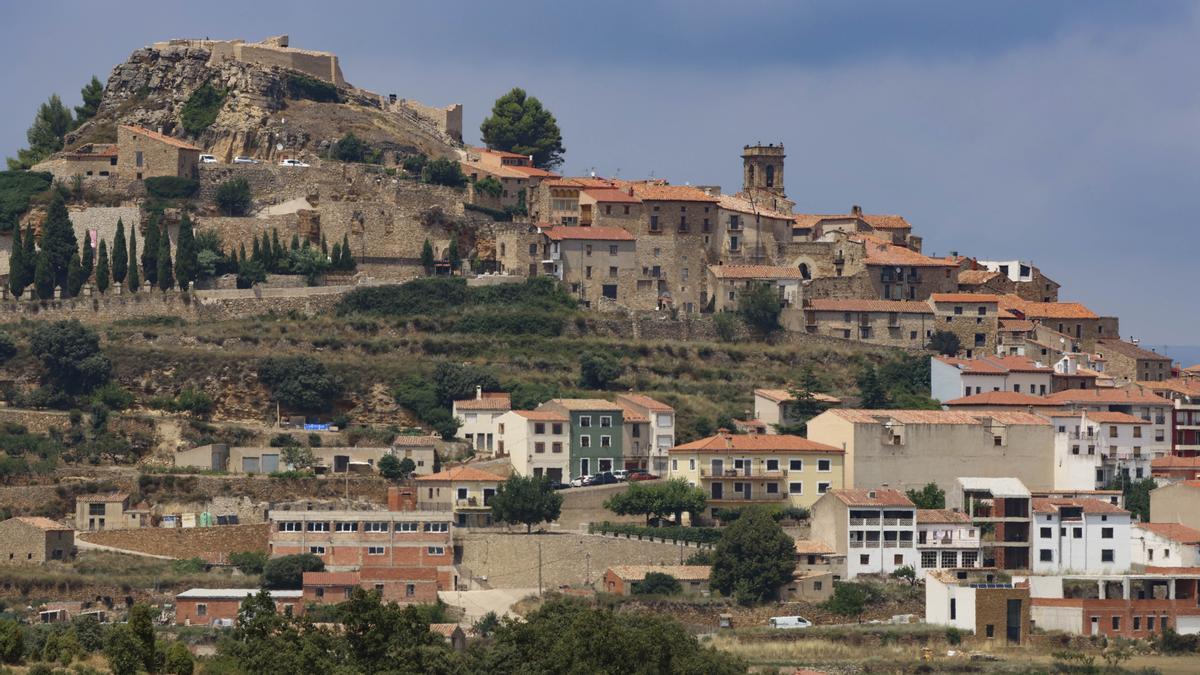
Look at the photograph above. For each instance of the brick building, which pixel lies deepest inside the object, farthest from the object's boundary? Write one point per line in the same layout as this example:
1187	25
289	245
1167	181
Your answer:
1002	508
33	540
624	579
142	153
1138	606
219	606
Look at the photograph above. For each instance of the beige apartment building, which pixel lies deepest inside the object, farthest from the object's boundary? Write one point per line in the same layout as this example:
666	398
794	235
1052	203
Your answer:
112	511
537	442
910	448
1176	503
464	490
743	469
595	263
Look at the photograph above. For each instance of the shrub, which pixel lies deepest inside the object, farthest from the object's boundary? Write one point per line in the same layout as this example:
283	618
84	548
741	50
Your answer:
196	402
287	572
725	325
414	164
17	189
8	347
598	370
171	187
350	148
249	562
657	583
299	382
234	197
443	172
201	109
303	87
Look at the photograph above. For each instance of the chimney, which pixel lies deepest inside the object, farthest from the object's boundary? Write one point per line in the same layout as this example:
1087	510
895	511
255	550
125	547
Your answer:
856	210
478	393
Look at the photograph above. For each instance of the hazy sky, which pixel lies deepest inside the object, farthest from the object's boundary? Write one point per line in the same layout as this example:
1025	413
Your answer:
1063	132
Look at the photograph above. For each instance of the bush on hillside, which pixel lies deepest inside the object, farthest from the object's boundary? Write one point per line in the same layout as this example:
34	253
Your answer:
303	87
300	383
234	197
443	172
17	189
201	108
171	187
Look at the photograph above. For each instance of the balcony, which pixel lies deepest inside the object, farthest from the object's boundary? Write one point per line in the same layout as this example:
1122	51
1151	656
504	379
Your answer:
906	522
864	522
949	542
754	497
1083	436
755	472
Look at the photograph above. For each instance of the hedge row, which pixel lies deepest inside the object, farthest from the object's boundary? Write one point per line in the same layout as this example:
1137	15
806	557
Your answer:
700	535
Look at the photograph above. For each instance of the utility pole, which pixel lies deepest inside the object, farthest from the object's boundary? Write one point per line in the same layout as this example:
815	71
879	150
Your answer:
539	569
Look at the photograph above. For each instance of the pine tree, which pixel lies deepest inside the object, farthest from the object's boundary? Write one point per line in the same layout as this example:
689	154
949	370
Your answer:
102	268
74	277
43	278
16	265
92	93
164	275
58	240
87	257
120	258
150	250
132	277
187	266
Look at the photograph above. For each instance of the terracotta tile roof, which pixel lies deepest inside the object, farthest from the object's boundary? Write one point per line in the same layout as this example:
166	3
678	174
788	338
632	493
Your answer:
43	523
597	404
941	516
1129	349
331	578
444	629
862	416
499	153
813	547
578	233
996	365
1181	534
742	205
1016	325
1105	417
1045	310
876	221
754	272
462	473
680	572
500	402
1089	505
661	192
855	305
646	402
1192	369
103	497
414	441
611	195
876	497
976	277
582	182
1107	396
1014	418
984	298
783	395
998	398
1175	462
631	415
882	253
162	138
1176	385
756	443
543	415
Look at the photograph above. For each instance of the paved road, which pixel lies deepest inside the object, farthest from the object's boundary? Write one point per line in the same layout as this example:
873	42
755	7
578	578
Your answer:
477	603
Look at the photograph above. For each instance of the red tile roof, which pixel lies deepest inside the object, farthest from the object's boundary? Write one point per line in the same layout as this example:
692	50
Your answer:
44	524
646	402
1175	462
975	277
1042	505
1107	396
577	233
754	272
1105	417
1181	534
756	443
998	398
462	473
984	298
661	192
876	497
882	253
941	516
997	364
162	138
855	305
783	395
496	401
813	547
742	205
1045	310
611	195
415	441
543	415
876	221
330	578
863	416
1130	350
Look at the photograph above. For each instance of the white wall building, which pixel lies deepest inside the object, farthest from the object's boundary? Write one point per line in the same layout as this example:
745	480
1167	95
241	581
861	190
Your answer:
477	418
1164	545
946	539
1016	270
537	442
661	419
951	378
1081	536
874	529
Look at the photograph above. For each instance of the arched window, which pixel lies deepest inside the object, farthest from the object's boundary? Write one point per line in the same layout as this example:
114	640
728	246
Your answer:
770	175
804	273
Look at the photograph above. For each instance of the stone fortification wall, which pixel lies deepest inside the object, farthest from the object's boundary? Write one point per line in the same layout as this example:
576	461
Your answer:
270	52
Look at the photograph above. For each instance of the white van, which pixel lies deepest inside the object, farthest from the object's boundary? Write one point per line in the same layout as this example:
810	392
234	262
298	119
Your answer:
208	159
293	162
789	622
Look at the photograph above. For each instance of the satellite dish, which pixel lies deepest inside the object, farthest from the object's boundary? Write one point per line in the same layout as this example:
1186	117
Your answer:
279	147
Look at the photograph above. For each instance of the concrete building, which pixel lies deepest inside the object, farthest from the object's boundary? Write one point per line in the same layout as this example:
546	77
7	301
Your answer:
984	602
1184	394
1176	503
777	407
1154	411
739	470
110	511
953	378
477	418
1139	605
624	579
596	433
1164	545
649	432
1002	510
1127	362
537	442
327	460
727	283
946	539
142	153
594	263
909	448
875	529
219	606
32	540
1084	536
1024	279
463	490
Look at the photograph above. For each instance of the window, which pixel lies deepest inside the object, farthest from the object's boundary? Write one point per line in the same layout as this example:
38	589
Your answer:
556	428
436	550
1137	623
376	550
928	559
865	559
796	488
437	527
824	465
953	609
345	527
692	464
1077	532
796	465
772	465
375	527
96	509
1116	623
1046	555
1046	533
291	526
539	428
587	272
674	465
539	447
958	310
585	441
654	223
772	488
822	488
137	158
556	446
318	526
605	421
1107	555
606	441
1106	533
612	272
585	421
316	550
406	527
1150	623
201	608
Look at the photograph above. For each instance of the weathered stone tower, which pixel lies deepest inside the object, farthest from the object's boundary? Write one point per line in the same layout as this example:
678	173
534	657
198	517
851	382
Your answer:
762	176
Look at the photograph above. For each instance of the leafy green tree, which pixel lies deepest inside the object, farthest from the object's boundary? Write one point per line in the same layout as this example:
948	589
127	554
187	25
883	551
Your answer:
753	558
929	497
907	573
598	370
234	197
132	277
120	256
379	636
395	469
309	263
201	109
87	258
635	500
520	124
70	356
187	265
150	248
123	650
58	240
287	572
414	164
760	307
458	381
178	660
299	382
141	622
725	324
1137	495
487	625
426	257
527	500
298	457
489	187
346	262
945	343
12	642
88	632
443	172
452	254
52	122
17	266
165	276
8	347
350	148
657	583
870	391
249	562
102	276
848	600
92	93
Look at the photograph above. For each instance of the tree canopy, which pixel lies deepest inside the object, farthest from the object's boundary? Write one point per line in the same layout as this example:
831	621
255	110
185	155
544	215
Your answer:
929	497
760	307
753	558
520	124
45	136
92	93
287	572
945	343
526	500
300	382
598	370
661	499
70	355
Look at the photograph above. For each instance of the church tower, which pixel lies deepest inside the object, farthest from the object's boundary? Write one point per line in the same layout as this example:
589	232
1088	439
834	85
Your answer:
762	176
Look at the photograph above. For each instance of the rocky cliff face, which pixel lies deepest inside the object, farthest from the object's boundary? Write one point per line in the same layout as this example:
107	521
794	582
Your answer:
257	118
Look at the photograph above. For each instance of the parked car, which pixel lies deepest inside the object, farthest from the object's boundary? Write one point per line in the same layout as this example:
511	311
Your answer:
556	485
208	159
639	474
620	474
789	622
242	159
293	162
605	478
580	481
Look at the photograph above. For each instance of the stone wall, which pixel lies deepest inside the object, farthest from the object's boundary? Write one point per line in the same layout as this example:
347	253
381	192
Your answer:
36	421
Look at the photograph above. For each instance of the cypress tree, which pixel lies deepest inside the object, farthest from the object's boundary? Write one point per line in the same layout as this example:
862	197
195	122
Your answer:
58	240
295	242
241	259
306	245
150	250
31	256
120	258
187	266
347	262
43	278
324	245
16	265
132	277
427	257
164	274
87	257
74	277
102	268
336	259
256	255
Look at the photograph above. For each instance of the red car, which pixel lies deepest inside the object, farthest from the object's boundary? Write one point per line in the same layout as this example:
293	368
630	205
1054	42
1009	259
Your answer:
641	475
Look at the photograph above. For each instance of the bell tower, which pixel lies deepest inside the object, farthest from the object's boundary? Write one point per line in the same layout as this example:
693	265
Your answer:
762	176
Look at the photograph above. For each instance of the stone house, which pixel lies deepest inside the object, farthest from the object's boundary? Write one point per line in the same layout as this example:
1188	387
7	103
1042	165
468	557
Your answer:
537	442
900	273
726	283
596	430
1066	318
594	263
1127	362
517	176
142	153
219	606
624	579
886	227
671	249
111	511
33	540
463	490
87	161
894	323
1023	279
974	319
609	207
747	231
762	176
